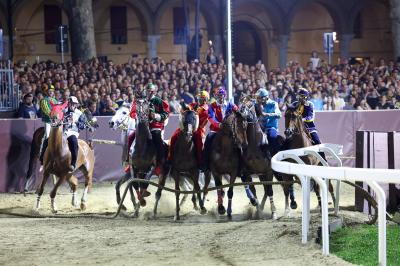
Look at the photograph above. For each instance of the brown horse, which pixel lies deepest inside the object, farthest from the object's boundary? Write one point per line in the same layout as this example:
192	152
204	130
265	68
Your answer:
57	159
224	157
256	158
184	162
297	137
37	142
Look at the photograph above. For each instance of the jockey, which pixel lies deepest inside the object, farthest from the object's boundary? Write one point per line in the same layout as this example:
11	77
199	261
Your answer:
306	109
268	112
217	111
45	108
201	109
159	112
131	131
76	122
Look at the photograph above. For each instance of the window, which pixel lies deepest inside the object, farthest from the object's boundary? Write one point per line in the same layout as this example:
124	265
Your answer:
52	19
179	25
358	26
118	25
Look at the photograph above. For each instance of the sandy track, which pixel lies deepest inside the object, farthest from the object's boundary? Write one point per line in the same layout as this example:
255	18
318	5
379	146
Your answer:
196	240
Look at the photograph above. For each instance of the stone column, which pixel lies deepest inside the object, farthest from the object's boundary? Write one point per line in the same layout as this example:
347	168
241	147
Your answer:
344	43
282	43
395	17
217	42
152	43
81	29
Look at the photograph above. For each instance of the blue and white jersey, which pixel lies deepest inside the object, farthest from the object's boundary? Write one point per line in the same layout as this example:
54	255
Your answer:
308	113
272	108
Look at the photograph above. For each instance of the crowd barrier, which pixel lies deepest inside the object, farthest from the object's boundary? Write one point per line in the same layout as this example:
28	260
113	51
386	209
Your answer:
16	134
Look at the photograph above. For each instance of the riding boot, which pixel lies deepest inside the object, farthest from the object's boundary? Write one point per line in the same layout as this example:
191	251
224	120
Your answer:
43	149
73	147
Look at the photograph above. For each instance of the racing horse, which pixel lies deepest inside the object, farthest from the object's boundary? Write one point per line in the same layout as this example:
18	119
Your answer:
37	141
256	157
184	161
297	137
57	159
224	157
122	121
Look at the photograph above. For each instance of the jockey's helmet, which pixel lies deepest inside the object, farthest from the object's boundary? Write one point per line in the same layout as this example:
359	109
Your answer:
262	93
303	94
204	95
221	93
73	99
151	87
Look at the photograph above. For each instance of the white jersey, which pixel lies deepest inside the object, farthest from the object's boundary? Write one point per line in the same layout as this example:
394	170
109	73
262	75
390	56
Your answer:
73	128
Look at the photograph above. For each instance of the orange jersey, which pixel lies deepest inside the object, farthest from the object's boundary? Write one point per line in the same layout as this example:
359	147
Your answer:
202	112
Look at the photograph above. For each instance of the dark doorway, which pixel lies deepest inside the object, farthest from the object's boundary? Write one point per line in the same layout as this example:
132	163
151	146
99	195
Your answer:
246	43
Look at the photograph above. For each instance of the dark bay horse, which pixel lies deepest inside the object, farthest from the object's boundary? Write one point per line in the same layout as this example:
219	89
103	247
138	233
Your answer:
256	157
297	137
225	157
184	161
36	142
57	159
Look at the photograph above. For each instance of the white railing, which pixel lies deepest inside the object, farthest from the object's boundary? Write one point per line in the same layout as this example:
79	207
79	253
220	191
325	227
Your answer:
321	173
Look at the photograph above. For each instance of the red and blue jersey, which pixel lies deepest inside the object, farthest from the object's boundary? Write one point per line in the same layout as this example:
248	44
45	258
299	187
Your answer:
217	112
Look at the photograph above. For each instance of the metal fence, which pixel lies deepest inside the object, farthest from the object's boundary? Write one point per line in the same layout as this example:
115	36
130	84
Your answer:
9	91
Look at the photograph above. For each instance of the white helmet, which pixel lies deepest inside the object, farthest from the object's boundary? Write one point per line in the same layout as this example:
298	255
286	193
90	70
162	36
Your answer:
73	99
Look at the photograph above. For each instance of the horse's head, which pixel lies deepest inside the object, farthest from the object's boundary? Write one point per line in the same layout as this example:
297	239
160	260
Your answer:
57	114
236	125
246	108
91	121
120	119
293	122
189	123
142	110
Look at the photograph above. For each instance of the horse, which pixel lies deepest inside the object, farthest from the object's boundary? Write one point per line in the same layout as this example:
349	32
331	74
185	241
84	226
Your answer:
256	157
224	157
184	161
122	120
57	159
37	142
297	137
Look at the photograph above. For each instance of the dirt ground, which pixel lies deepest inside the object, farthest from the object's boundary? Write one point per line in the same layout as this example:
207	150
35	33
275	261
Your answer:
195	240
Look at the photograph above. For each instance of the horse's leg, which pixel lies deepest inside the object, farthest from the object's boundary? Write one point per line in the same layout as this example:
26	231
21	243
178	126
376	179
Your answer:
250	190
196	186
176	177
220	195
161	184
53	194
118	188
41	189
73	182
184	183
230	195
331	191
33	156
88	183
207	179
317	192
268	192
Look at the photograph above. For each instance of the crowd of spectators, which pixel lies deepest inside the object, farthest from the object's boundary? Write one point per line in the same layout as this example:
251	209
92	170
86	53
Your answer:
103	86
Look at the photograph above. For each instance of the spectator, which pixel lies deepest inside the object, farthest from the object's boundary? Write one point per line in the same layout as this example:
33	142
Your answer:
351	104
329	105
186	96
317	101
27	109
363	106
93	108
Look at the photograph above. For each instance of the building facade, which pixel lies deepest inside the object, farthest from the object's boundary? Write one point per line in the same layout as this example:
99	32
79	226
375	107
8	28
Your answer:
273	31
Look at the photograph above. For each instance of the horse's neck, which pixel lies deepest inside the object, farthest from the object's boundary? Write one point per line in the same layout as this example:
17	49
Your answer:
56	141
254	134
142	134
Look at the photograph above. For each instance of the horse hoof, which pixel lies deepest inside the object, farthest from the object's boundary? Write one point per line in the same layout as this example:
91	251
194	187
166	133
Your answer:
274	216
221	210
293	205
146	194
54	211
254	202
83	206
177	218
142	202
203	211
123	208
229	217
195	208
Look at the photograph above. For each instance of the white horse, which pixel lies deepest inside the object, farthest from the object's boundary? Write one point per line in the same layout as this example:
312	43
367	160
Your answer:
122	121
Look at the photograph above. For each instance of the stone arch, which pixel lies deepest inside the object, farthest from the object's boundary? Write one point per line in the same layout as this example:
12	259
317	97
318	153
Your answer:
273	11
252	41
207	9
359	7
3	19
140	9
334	10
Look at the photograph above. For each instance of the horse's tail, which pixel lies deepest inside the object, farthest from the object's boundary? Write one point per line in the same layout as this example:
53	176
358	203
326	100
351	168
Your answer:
35	149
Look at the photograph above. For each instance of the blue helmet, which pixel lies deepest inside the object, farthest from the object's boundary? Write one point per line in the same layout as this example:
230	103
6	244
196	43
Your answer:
304	93
262	93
